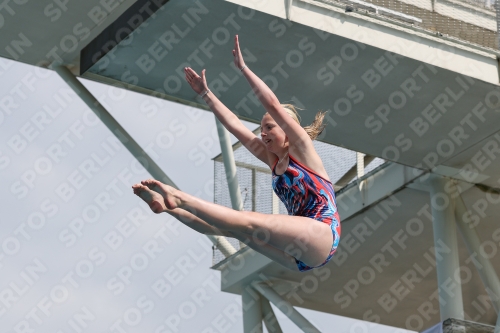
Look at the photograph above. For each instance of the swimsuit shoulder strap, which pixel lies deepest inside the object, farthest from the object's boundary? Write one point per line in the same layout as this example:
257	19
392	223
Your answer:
274	165
307	169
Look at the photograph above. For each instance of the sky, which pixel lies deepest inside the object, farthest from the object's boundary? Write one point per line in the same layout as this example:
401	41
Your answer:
78	251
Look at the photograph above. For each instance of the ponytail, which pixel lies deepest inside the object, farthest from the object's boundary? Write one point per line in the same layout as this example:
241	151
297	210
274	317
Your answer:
312	130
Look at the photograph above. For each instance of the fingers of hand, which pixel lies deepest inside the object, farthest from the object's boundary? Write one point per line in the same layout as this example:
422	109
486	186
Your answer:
192	78
190	72
237	43
193	81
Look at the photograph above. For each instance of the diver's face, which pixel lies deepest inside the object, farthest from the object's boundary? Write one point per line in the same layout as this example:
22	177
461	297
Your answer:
272	134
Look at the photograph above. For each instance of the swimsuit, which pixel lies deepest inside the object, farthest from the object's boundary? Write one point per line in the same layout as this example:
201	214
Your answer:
305	193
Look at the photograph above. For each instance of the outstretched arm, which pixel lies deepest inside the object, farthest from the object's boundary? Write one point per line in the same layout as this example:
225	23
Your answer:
226	117
268	99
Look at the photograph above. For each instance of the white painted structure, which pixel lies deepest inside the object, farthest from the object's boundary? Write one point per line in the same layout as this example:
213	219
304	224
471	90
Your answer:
439	92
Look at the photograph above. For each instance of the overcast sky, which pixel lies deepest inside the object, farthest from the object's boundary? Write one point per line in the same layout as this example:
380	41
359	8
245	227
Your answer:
78	251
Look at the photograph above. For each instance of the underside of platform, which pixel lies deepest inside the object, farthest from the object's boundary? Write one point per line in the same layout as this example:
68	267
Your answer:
434	110
393	89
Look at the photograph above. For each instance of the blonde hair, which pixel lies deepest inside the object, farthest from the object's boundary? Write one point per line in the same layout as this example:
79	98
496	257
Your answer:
312	130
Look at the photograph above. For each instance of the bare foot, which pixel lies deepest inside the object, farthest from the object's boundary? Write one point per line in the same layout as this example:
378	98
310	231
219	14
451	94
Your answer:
168	193
152	198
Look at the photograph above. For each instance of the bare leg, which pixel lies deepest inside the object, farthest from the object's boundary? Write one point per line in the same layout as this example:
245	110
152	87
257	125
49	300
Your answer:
155	201
197	224
282	258
282	232
157	205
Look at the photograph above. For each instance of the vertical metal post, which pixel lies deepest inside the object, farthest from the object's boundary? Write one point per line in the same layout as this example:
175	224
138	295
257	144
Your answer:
483	265
360	168
443	220
497	10
269	317
252	310
229	166
254	189
496	5
288	9
360	164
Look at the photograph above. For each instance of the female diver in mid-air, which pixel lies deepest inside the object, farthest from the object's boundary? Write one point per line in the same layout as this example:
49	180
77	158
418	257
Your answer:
306	238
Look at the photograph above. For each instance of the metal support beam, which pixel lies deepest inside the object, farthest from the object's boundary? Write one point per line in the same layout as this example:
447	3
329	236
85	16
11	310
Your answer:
445	239
222	245
254	190
252	310
360	164
288	9
285	307
229	166
360	168
497	10
483	265
110	122
269	317
132	146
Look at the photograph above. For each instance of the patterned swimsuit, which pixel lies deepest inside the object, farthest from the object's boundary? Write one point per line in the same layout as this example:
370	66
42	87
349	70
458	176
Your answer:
304	193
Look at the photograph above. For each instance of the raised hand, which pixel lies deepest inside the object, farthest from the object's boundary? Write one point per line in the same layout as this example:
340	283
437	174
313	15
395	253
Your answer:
238	58
198	83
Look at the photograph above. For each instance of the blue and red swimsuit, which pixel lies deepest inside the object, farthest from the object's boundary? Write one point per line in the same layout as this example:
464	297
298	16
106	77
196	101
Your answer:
305	193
